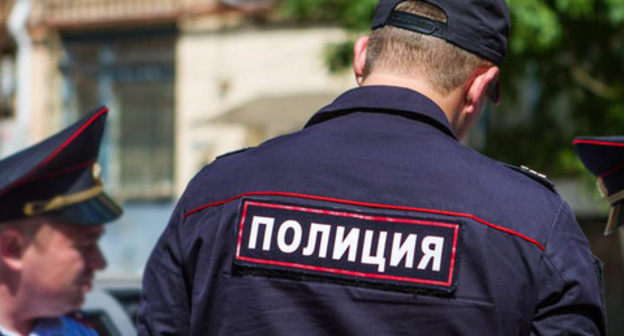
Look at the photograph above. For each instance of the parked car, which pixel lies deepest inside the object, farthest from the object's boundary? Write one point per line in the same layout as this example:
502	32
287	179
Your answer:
112	309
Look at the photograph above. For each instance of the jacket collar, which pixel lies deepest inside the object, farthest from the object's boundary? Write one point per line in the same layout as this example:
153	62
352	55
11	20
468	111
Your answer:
384	99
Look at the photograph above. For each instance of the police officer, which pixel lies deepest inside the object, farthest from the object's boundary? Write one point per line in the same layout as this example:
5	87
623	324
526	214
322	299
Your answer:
374	219
52	207
603	157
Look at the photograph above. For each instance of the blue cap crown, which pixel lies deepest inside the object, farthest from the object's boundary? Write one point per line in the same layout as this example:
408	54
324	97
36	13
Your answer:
59	177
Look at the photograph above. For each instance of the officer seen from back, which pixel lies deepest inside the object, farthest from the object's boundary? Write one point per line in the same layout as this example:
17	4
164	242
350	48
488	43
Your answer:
52	210
374	219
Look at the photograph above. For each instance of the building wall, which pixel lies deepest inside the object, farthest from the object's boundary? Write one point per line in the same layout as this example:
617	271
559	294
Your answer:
221	71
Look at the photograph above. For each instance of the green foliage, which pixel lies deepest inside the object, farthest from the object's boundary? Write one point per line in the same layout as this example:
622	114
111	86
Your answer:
353	15
615	11
535	25
576	8
339	56
563	76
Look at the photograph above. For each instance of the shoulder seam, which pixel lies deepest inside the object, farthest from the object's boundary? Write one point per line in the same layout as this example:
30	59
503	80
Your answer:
550	232
234	152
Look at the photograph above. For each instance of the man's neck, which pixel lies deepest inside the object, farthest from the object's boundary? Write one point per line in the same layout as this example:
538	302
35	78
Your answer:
14	314
448	103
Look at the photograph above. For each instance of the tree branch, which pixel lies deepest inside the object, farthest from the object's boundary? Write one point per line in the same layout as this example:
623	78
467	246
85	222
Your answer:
594	85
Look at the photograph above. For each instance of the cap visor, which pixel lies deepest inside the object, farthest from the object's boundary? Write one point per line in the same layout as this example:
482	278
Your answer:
94	211
616	219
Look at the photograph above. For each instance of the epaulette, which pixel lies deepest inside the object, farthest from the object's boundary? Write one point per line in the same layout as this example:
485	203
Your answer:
535	176
233	152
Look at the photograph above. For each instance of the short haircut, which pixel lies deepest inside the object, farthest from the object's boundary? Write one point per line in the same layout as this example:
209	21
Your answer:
444	65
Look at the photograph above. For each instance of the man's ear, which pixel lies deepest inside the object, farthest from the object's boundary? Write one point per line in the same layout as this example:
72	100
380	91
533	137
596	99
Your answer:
359	58
13	244
479	88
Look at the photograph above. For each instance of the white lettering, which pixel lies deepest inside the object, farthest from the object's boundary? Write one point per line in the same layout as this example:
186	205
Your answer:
268	232
342	243
281	236
430	252
378	259
405	250
315	230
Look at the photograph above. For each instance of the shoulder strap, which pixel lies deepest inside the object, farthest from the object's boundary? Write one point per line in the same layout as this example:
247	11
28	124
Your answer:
535	176
238	151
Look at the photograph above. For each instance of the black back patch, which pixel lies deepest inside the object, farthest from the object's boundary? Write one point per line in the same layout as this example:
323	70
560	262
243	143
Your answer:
374	249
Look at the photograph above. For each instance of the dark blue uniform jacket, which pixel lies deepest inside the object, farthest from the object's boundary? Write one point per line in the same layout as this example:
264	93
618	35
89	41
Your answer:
372	220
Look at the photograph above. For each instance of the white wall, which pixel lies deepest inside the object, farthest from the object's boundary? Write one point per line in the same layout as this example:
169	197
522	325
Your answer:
221	71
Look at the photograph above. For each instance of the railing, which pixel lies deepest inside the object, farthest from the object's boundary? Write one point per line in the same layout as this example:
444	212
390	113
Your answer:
70	12
67	13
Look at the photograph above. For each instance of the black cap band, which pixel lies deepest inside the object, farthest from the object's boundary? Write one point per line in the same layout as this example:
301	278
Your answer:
480	27
417	23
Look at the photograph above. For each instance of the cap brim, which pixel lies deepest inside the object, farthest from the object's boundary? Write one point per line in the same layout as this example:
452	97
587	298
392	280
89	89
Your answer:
98	210
616	219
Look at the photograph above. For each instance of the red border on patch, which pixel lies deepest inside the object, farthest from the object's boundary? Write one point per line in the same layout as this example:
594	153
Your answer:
448	283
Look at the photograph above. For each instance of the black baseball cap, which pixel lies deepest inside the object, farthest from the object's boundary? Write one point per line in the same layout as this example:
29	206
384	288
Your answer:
604	157
59	177
478	26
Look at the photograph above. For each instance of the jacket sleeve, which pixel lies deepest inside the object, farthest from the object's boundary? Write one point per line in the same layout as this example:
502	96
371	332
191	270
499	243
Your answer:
570	300
165	299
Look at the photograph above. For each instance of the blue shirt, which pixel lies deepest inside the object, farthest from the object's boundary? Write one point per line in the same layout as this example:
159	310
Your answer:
63	326
372	220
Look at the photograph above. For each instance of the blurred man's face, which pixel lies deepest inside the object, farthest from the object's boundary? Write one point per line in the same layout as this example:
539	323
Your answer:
59	266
